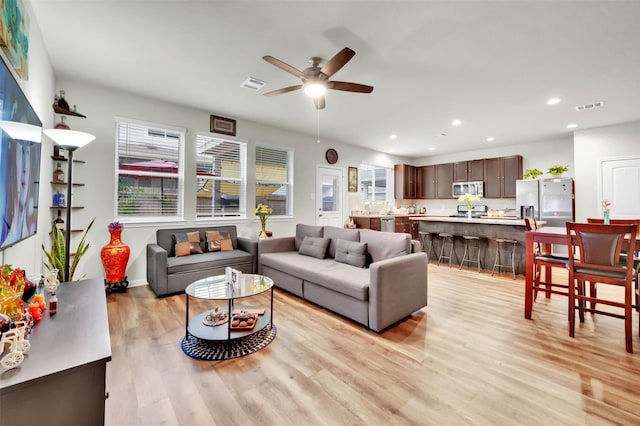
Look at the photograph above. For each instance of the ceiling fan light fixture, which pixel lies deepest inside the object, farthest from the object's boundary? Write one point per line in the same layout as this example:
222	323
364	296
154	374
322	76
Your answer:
315	89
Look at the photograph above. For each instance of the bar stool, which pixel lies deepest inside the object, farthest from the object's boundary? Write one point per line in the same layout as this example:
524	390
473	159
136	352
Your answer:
508	249
426	239
471	242
446	240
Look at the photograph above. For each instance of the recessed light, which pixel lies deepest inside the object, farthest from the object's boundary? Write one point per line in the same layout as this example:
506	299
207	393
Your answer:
432	148
553	101
572	126
394	136
456	122
490	139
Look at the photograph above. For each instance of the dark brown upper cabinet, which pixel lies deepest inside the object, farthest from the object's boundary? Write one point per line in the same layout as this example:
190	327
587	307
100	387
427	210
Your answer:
466	171
405	181
444	180
500	176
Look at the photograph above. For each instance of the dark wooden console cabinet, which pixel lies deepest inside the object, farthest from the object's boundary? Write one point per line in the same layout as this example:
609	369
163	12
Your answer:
62	378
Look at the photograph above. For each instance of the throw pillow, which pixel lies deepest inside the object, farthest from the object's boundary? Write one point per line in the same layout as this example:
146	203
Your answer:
335	233
314	247
219	241
352	253
306	231
183	249
193	240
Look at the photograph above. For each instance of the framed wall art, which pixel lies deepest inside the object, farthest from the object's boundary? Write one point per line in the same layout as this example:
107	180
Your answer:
353	179
14	35
225	126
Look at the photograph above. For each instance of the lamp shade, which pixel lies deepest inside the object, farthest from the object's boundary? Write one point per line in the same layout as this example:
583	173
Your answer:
22	131
69	139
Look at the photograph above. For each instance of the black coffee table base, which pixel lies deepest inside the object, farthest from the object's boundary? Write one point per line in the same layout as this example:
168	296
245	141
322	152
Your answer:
218	350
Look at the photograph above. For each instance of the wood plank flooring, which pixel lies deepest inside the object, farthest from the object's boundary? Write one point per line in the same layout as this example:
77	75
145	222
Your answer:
470	357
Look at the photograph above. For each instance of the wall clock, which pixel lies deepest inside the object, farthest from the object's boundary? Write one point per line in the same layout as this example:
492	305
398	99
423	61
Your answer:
332	156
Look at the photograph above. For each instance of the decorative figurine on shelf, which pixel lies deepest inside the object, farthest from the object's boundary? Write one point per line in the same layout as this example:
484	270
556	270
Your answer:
263	211
115	257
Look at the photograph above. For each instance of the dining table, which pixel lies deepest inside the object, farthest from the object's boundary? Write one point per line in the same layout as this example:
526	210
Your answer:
545	236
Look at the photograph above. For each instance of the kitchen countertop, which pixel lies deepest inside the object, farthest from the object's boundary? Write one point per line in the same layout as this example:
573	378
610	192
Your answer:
389	215
484	220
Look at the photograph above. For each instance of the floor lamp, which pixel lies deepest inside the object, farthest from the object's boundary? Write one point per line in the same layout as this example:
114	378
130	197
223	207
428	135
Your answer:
70	140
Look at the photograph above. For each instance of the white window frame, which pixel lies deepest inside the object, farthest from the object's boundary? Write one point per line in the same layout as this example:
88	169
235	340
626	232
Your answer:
181	131
290	178
242	180
389	193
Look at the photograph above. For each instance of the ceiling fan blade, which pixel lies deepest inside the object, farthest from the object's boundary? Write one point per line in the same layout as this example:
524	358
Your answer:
319	102
349	87
283	90
337	62
283	66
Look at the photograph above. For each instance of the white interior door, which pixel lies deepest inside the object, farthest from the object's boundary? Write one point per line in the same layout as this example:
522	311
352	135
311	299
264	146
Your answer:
620	183
329	196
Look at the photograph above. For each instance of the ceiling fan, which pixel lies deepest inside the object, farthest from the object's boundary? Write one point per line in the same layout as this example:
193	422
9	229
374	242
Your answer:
315	80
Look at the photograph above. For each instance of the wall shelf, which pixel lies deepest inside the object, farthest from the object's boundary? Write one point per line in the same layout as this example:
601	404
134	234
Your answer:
63	111
64	183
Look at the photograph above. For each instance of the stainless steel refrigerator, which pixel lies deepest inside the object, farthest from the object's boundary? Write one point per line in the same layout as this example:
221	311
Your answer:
552	200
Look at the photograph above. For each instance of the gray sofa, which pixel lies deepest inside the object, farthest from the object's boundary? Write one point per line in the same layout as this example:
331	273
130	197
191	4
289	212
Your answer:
169	274
388	286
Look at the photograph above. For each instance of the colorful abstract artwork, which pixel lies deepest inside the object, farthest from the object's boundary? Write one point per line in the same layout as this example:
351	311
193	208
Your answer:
14	35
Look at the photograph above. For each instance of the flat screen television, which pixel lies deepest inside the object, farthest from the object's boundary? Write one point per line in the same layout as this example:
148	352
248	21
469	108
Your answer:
20	153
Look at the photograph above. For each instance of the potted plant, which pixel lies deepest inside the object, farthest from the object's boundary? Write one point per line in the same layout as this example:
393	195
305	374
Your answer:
56	256
532	174
557	170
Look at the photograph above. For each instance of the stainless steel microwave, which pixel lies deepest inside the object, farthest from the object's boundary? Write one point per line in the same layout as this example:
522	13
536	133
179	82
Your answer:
473	188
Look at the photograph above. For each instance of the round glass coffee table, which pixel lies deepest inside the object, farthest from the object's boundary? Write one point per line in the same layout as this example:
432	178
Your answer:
211	335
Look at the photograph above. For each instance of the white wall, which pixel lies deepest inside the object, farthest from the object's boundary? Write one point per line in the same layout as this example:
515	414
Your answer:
101	105
590	148
39	89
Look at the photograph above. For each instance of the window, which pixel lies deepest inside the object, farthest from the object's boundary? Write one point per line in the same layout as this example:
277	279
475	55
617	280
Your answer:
149	168
375	183
220	177
274	179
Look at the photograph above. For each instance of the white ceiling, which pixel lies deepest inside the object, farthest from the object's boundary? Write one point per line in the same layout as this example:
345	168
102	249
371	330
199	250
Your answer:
492	65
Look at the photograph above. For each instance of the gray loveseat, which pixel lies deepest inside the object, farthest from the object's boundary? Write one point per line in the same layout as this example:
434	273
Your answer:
389	284
168	273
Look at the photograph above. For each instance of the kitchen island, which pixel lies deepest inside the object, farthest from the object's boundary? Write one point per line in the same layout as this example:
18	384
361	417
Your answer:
487	228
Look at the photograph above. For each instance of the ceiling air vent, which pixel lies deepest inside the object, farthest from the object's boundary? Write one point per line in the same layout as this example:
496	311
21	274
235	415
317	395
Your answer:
593	105
253	84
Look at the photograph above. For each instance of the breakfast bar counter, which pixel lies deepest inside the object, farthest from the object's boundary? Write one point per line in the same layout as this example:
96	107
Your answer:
487	228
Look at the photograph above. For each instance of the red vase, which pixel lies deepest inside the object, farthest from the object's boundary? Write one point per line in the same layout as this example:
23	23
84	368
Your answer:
115	257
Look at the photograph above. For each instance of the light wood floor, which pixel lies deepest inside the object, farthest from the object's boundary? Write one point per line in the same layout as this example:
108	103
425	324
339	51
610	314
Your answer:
470	357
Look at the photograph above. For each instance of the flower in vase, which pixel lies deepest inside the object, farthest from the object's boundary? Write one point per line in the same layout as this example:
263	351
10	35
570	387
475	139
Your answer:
468	200
606	205
263	211
115	226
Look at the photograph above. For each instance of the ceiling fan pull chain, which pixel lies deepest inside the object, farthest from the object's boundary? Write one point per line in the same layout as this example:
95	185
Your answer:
318	112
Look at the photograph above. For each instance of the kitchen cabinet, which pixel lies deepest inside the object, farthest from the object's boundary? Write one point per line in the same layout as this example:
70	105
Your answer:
404	181
365	222
427	180
403	224
500	176
468	171
444	180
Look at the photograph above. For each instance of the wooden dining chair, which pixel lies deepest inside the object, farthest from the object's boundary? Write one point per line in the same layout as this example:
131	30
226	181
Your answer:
623	258
547	260
594	256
